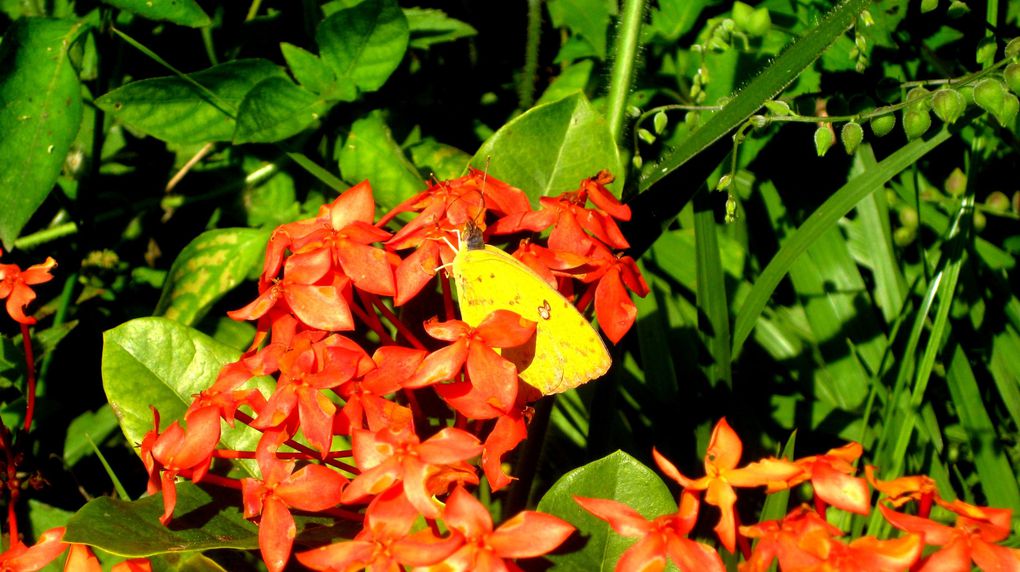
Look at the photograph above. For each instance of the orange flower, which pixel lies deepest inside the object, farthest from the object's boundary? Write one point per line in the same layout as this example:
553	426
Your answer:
722	475
830	475
15	286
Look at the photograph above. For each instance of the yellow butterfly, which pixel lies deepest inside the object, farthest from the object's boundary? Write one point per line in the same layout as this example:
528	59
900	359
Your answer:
566	351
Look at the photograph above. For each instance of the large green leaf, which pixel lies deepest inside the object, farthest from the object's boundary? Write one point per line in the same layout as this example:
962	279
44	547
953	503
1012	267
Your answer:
369	152
201	522
183	12
549	149
194	109
156	362
429	27
364	44
207	268
276	109
40	112
619	477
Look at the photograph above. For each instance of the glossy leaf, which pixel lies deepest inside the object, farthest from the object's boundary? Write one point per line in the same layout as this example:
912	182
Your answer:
619	477
207	268
162	363
429	27
364	44
369	152
198	108
183	12
276	109
549	148
39	116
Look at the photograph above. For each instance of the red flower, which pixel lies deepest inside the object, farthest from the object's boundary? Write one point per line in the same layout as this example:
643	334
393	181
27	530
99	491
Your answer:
830	475
973	539
660	538
526	535
385	542
179	451
900	490
311	488
493	380
15	287
722	475
366	407
509	430
22	558
426	468
81	559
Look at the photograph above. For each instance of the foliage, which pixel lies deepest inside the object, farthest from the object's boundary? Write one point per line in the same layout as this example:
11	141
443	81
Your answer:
818	198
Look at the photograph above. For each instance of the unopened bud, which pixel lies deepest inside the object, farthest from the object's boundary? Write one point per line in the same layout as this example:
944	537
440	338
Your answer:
851	135
916	123
823	140
881	125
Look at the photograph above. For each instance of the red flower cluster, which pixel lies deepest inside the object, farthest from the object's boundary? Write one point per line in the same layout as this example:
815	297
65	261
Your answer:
347	424
803	541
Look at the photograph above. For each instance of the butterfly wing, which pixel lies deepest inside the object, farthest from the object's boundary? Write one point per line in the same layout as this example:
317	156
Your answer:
567	351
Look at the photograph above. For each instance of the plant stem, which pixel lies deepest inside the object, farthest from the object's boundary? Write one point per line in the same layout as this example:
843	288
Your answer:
625	54
526	87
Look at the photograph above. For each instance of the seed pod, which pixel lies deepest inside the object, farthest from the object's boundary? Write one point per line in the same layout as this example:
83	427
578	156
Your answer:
1012	75
916	123
929	5
919	98
997	201
660	121
851	135
948	105
1010	106
823	140
956	183
881	125
990	94
1013	48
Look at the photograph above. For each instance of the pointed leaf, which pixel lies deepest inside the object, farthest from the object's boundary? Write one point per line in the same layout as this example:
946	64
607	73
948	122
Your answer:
183	12
550	148
364	44
39	116
276	109
371	153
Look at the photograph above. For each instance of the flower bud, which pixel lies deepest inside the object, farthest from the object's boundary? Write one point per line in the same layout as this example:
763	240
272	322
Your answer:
916	123
637	161
881	125
851	135
1012	75
823	140
908	217
948	105
646	135
778	107
956	183
990	94
980	221
724	182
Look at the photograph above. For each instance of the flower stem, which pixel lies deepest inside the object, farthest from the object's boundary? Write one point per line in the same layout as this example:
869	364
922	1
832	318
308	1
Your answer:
625	55
26	340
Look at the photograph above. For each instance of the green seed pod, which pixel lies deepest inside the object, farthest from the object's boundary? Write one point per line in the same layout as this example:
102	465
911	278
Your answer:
916	123
980	221
646	135
957	9
778	107
990	94
919	98
1010	107
660	121
881	125
760	23
903	236
851	135
1013	48
823	140
948	105
1012	75
637	161
908	217
956	183
929	5
997	201
724	182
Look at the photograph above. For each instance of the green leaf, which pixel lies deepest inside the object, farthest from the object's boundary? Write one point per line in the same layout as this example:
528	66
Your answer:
820	221
364	44
714	315
429	27
91	427
573	79
369	152
438	159
309	70
764	87
183	12
39	115
586	18
177	110
549	149
207	268
674	18
202	522
160	363
276	109
617	476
